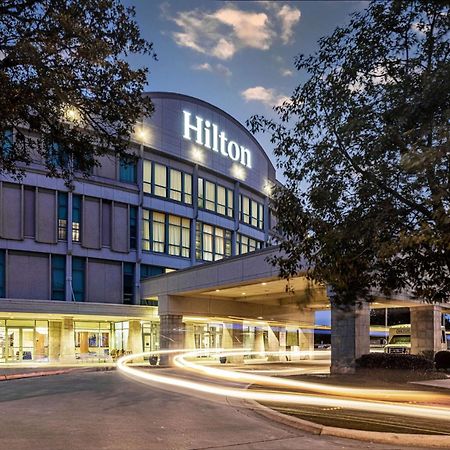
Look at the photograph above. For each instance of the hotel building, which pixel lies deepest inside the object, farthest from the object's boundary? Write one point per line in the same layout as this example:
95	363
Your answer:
72	262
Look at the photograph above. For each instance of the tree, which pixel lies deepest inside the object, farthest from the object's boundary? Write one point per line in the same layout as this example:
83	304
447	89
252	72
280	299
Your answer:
66	91
364	146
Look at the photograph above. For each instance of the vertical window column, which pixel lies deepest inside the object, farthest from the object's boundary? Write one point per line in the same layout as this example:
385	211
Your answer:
128	283
127	171
2	274
133	227
78	279
62	215
58	277
76	218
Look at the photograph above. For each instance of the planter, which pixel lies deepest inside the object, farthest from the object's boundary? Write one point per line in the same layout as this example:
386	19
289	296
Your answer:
223	359
153	360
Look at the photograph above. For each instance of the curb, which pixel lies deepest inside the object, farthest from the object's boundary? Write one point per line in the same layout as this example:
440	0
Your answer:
46	373
413	440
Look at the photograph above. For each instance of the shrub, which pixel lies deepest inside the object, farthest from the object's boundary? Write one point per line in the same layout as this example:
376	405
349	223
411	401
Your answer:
396	362
442	360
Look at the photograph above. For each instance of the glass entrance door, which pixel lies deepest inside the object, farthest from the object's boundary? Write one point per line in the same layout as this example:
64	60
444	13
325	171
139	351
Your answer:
20	342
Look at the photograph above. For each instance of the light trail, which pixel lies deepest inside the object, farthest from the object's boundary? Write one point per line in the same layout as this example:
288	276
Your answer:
275	397
245	377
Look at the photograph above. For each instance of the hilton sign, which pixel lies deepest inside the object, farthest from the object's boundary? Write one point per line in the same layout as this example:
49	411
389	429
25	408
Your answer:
207	135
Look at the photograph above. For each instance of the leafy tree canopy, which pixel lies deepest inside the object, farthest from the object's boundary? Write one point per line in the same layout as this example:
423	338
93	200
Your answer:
364	147
64	79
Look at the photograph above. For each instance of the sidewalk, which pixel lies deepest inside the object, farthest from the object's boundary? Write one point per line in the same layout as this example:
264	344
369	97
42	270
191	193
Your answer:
443	384
32	370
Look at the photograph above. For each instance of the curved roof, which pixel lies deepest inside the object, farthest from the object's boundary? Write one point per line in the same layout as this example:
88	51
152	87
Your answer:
175	95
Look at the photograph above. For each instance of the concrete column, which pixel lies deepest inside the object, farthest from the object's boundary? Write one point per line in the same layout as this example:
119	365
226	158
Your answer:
134	344
273	343
189	337
426	329
233	338
54	340
171	336
350	336
306	334
258	345
67	349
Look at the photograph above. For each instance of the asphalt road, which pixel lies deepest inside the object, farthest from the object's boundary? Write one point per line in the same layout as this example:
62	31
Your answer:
106	410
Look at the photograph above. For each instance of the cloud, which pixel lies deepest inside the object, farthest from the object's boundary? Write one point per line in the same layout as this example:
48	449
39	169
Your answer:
267	96
251	29
223	32
286	72
214	68
289	17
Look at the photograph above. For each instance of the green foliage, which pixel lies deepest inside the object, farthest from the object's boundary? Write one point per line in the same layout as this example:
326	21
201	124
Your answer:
394	362
65	82
363	145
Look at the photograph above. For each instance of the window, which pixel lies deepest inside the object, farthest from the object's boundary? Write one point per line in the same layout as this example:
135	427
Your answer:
128	283
76	218
179	236
166	182
147	178
160	188
163	233
133	227
56	155
2	273
7	143
175	185
187	188
62	216
215	197
148	271
251	212
158	232
78	279
212	243
128	171
58	277
245	244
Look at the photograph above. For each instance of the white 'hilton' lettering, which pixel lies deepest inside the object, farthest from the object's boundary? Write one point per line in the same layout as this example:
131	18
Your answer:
207	135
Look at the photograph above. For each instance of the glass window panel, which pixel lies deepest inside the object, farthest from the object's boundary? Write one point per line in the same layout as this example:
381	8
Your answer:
160	187
221	200
254	213
187	188
58	277
210	196
175	185
158	238
127	173
230	201
147	178
146	229
201	199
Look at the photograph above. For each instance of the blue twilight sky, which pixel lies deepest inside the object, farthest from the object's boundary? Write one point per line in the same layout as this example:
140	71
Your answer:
238	56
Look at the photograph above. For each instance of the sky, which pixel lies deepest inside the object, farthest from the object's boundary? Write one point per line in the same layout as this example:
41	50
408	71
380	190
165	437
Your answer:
239	56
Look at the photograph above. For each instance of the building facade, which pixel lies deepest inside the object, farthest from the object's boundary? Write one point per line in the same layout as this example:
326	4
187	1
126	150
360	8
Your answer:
72	262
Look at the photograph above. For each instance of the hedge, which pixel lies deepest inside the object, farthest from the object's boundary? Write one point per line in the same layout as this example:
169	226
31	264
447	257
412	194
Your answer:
442	360
396	362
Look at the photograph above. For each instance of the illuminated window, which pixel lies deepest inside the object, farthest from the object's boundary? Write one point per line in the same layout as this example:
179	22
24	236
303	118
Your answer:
156	226
179	236
245	244
62	216
215	198
251	212
147	177
176	185
167	182
212	243
158	237
76	218
160	187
